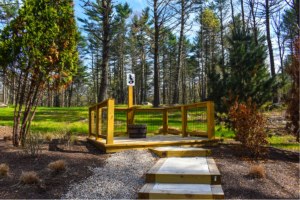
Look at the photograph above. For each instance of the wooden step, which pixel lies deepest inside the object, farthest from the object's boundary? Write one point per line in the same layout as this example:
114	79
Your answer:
194	170
174	151
180	191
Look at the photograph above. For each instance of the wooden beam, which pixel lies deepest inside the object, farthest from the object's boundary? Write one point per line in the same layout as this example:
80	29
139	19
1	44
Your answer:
130	96
210	120
101	104
110	121
183	121
91	122
98	121
165	122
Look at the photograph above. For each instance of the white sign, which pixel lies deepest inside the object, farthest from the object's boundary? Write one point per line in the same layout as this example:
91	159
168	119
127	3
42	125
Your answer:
130	79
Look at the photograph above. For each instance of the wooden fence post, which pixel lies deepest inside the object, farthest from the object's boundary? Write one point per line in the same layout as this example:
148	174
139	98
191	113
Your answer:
210	120
130	96
97	122
110	121
165	121
91	121
184	121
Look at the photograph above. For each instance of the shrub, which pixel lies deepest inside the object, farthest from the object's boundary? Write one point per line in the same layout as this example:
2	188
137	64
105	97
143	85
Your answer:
4	169
48	137
30	177
33	145
257	171
248	125
56	166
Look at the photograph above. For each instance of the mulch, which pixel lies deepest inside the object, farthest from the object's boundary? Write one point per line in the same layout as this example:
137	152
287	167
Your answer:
79	158
281	181
281	168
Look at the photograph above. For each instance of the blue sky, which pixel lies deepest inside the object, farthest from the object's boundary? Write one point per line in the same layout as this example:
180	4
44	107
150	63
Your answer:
136	5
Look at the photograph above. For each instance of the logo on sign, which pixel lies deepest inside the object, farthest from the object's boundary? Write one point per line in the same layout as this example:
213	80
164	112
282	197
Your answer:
130	79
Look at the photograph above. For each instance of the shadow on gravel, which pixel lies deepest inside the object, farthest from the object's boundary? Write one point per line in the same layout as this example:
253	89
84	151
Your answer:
250	193
83	147
237	151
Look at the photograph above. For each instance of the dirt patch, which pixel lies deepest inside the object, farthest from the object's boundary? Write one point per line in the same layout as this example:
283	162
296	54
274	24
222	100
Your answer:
281	168
79	159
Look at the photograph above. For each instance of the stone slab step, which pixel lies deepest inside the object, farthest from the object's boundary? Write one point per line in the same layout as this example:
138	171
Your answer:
173	151
180	191
193	170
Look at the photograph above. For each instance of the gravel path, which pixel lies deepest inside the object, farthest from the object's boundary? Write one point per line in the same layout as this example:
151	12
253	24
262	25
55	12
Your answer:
120	178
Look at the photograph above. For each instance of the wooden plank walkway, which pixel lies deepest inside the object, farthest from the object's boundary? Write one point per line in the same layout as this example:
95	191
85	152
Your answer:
183	177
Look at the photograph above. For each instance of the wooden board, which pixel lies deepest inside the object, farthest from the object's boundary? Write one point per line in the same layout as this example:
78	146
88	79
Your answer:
180	191
187	170
164	152
123	143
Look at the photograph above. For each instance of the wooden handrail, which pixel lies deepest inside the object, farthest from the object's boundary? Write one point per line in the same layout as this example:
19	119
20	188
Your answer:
97	109
108	106
101	104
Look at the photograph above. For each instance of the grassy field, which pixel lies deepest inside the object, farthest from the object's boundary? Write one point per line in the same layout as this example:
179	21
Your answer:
284	142
52	119
75	120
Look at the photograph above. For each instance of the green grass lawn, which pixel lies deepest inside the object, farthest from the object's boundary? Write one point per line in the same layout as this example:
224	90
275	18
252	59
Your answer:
287	142
52	119
75	120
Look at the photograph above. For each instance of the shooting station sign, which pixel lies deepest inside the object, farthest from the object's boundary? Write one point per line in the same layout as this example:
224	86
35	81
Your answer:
130	79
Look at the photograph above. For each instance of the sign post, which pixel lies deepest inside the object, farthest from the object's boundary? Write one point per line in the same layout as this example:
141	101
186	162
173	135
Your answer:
130	82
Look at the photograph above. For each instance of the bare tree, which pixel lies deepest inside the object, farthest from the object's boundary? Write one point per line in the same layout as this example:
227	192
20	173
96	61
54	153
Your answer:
161	15
185	7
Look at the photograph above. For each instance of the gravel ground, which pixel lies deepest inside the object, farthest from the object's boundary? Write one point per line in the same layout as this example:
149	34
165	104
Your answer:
120	178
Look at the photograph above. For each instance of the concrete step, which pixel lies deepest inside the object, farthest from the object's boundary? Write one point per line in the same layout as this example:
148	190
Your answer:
180	191
173	151
190	170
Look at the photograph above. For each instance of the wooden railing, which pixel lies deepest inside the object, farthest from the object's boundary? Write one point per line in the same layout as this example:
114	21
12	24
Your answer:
96	119
184	110
95	126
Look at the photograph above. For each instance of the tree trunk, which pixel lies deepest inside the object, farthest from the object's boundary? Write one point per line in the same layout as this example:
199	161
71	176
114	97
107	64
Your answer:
143	62
71	95
222	46
156	100
243	14
232	13
106	12
251	3
272	65
179	57
269	41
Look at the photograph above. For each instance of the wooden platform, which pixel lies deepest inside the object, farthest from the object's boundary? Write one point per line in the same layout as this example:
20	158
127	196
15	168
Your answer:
125	143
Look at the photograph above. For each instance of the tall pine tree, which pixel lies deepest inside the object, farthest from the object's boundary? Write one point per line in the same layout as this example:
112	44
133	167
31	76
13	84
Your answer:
248	77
